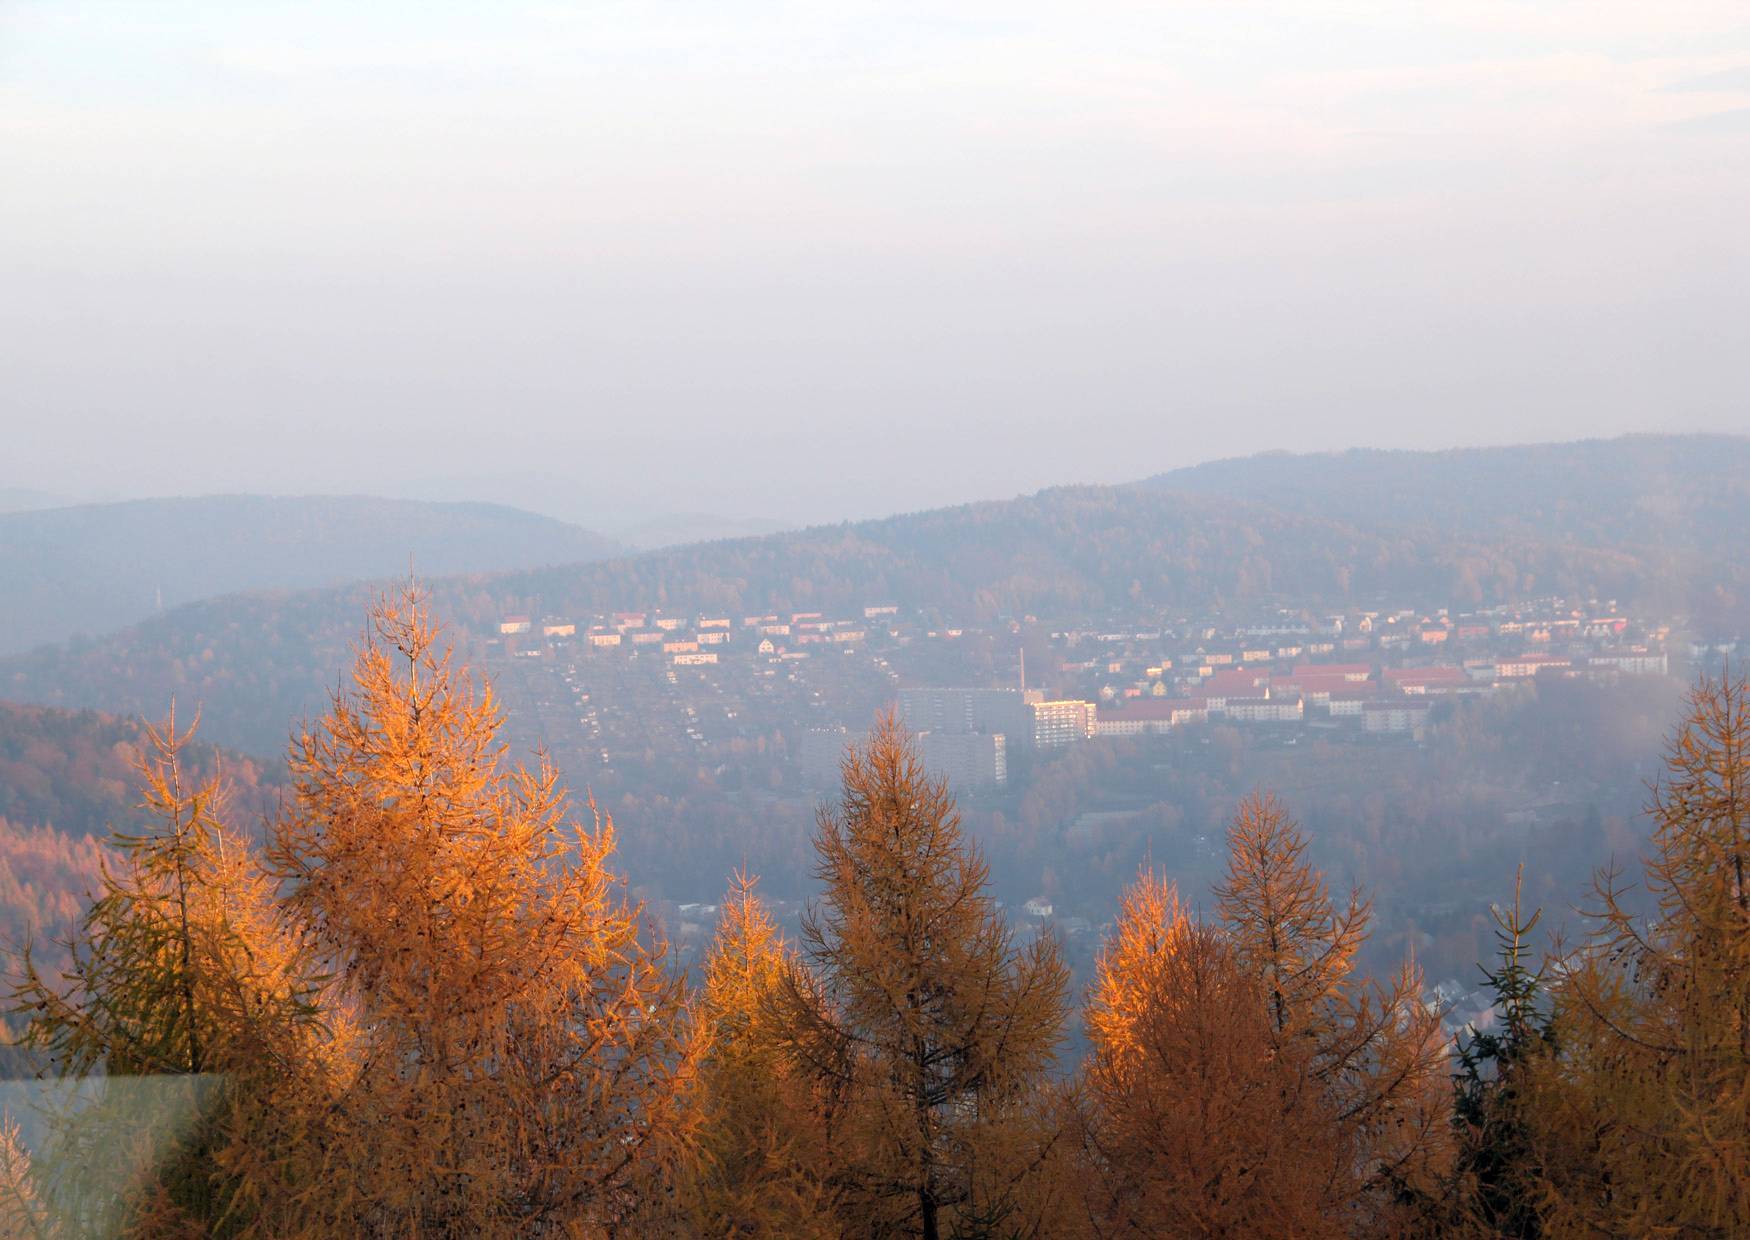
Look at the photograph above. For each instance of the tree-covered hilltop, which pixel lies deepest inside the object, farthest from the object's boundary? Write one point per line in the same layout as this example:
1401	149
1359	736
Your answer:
94	568
1632	518
1088	550
1472	531
1639	492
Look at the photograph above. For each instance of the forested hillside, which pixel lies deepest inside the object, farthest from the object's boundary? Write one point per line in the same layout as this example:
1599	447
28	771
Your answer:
67	780
78	771
1077	551
1637	493
259	661
1631	518
95	568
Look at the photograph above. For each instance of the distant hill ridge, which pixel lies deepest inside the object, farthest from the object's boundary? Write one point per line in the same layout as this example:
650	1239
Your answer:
26	499
1635	489
1652	521
94	568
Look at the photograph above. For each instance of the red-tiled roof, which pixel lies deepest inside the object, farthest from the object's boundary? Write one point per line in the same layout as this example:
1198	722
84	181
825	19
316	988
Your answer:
1149	710
1426	676
1235	680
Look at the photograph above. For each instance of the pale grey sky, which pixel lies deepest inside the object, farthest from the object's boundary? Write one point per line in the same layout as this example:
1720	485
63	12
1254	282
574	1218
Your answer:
821	259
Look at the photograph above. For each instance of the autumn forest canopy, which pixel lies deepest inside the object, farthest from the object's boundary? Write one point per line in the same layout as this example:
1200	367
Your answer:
848	621
422	1001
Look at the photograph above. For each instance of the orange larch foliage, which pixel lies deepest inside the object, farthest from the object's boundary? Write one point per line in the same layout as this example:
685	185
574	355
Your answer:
762	1163
1371	1057
922	1024
520	1051
195	1012
1642	1120
1195	1124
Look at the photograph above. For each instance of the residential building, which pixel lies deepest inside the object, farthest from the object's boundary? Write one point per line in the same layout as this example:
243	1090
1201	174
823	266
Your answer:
1522	666
1356	673
1418	681
1398	716
820	752
965	759
964	710
1266	709
1145	715
1062	722
1632	662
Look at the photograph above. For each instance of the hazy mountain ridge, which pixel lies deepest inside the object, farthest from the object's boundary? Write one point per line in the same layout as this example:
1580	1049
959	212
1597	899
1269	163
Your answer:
96	568
29	499
1634	491
1061	551
681	528
260	661
1628	517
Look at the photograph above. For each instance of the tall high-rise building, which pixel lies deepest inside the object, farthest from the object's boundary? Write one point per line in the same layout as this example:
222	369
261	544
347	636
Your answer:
819	752
960	711
965	759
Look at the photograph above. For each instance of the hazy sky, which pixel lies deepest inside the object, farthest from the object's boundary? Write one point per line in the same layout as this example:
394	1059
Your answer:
826	259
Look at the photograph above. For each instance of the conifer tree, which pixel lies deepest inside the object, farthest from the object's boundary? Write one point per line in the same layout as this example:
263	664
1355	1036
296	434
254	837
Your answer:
1192	1123
23	1213
1643	1119
197	1013
1496	1160
760	1165
520	1054
1371	1055
921	1022
1279	911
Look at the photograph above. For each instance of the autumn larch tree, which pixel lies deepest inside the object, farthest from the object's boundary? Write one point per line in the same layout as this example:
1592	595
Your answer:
1188	1127
199	1014
520	1053
23	1213
1370	1056
760	1165
1643	1117
922	1023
